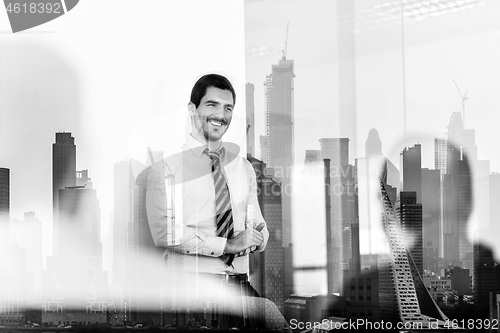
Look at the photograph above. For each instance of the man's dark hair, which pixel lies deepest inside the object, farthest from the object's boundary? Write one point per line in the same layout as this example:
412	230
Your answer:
210	80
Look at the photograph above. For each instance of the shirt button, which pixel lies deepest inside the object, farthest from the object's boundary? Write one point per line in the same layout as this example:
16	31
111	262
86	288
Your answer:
211	253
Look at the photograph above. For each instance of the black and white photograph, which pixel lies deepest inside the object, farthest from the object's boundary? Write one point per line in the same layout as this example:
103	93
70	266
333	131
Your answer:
249	165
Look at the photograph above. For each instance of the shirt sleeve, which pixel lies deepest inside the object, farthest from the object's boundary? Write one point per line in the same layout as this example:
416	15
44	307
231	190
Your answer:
191	241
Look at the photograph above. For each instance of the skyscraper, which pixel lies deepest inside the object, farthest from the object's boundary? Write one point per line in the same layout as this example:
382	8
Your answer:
440	156
250	106
279	116
280	145
373	144
410	215
312	156
387	170
451	253
411	164
461	158
398	272
79	228
431	208
63	164
341	210
267	269
4	195
335	149
63	175
263	148
485	277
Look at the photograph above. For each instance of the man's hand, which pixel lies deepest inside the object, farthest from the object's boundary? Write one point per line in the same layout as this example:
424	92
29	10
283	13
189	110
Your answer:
245	241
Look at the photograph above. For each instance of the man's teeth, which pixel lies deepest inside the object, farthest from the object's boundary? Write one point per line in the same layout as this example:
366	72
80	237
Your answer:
215	123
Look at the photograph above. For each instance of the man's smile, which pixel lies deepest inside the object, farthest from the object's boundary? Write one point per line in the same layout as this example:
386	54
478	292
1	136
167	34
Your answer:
217	122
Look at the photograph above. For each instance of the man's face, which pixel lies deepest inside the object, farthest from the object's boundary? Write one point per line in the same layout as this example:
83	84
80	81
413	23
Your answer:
213	116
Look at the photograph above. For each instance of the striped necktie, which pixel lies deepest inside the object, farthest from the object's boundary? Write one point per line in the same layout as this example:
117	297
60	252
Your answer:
224	215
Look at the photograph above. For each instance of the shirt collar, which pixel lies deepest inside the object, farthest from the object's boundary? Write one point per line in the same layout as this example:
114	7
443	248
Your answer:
198	148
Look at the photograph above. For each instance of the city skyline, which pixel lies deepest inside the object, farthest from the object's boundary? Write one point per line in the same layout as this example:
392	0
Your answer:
391	85
342	153
274	44
330	148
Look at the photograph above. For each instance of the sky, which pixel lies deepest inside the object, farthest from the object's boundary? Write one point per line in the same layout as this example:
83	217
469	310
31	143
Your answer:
459	46
117	75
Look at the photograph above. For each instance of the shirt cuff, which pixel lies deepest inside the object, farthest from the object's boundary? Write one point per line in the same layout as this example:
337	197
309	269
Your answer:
214	246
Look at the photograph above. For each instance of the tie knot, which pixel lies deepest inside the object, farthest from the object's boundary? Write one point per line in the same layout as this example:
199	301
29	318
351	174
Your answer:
214	154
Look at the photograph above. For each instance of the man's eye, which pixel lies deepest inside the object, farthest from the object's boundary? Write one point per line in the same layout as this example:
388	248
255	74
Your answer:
229	110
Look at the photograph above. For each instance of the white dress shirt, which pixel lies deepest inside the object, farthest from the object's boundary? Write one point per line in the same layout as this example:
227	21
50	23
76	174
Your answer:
195	247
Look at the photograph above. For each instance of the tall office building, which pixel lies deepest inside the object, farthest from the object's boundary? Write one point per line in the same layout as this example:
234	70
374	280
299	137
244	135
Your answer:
430	259
411	164
341	210
464	139
312	157
440	154
13	275
335	149
410	215
361	291
393	175
267	269
250	110
63	175
388	171
63	164
399	273
280	114
80	223
280	146
263	148
485	277
4	191
346	248
14	289
463	180
455	156
461	159
431	208
451	253
373	144
4	199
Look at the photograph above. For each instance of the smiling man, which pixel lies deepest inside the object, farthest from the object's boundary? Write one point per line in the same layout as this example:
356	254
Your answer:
217	222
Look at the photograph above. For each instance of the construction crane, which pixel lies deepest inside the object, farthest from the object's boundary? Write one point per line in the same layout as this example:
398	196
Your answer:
464	98
286	40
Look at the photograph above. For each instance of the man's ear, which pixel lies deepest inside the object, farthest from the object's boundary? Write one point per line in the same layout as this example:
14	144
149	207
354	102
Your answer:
191	109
